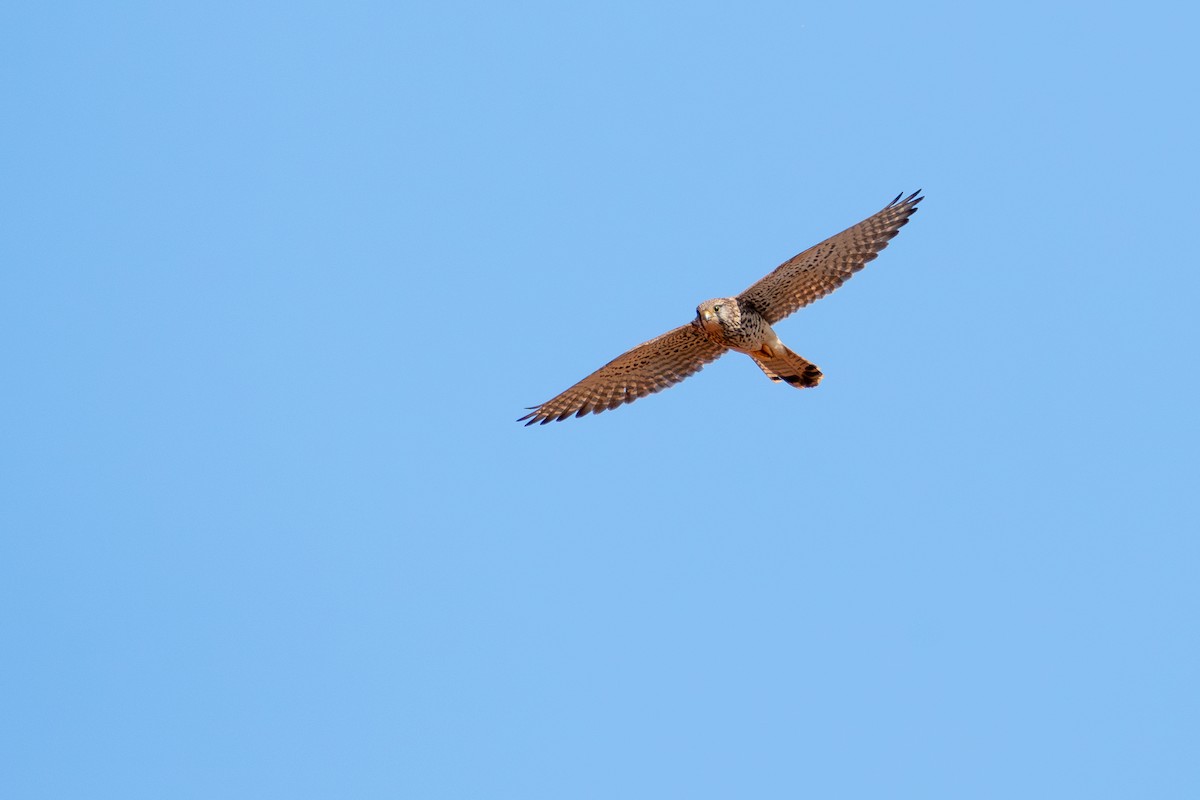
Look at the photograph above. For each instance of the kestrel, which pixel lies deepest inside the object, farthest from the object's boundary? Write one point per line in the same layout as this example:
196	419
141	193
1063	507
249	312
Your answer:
741	323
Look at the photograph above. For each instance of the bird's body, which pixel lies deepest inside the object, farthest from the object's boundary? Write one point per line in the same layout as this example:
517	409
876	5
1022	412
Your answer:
742	323
737	326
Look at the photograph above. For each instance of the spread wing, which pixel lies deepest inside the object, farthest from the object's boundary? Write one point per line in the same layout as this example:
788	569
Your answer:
819	270
648	368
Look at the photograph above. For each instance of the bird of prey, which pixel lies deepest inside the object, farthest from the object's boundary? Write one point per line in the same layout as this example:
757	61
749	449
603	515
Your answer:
742	323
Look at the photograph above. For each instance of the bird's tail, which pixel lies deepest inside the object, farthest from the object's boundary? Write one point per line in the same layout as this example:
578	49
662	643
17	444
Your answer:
784	365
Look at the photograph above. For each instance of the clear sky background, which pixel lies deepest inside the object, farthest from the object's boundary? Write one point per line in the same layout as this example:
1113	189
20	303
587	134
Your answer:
278	278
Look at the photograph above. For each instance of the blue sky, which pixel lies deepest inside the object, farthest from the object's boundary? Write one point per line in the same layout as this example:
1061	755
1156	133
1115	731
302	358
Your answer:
279	278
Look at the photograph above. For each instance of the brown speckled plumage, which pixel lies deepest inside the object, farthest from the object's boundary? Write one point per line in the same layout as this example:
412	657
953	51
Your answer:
741	323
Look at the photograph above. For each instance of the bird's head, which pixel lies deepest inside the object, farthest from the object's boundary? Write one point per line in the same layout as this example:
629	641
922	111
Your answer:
718	314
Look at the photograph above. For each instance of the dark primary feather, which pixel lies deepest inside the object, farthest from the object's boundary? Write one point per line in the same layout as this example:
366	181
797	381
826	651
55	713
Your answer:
648	368
824	267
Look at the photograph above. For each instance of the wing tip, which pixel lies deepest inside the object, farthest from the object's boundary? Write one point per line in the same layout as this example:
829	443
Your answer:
910	201
538	415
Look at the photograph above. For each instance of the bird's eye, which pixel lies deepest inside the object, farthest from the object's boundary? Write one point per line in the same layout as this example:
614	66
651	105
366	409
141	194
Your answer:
716	308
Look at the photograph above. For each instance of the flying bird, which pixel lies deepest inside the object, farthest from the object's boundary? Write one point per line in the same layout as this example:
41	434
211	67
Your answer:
742	323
